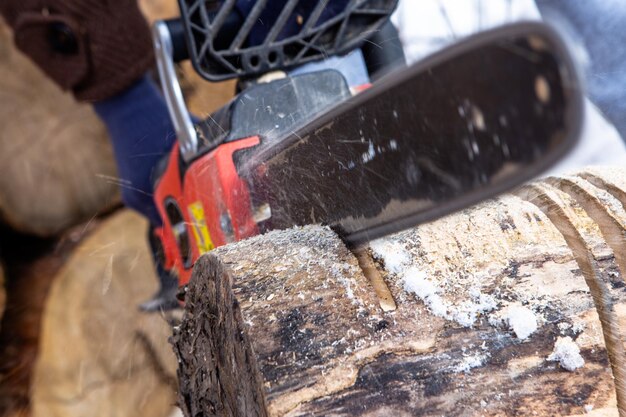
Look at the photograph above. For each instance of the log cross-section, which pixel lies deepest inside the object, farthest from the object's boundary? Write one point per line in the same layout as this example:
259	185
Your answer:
228	380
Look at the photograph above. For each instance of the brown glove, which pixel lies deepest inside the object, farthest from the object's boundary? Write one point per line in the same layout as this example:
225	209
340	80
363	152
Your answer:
96	48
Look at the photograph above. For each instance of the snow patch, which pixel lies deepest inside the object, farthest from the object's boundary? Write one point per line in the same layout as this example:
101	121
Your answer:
567	353
564	327
521	320
470	362
415	281
341	272
370	154
517	318
392	254
465	313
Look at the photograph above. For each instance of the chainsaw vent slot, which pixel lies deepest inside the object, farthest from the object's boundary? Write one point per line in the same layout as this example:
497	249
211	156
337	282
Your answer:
235	38
179	228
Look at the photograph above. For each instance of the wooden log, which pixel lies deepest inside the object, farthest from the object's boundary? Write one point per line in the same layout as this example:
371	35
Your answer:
98	355
31	264
58	168
498	311
159	9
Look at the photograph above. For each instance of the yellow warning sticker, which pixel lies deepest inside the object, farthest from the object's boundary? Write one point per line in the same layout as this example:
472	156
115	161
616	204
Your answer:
200	230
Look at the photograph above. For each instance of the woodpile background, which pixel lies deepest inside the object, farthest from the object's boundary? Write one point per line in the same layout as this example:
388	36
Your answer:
57	165
3	294
59	210
98	354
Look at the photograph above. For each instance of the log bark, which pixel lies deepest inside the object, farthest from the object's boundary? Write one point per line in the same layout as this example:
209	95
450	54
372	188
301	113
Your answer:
292	324
57	165
98	355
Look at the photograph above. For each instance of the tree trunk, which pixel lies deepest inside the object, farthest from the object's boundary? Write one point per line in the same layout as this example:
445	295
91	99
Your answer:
512	307
98	355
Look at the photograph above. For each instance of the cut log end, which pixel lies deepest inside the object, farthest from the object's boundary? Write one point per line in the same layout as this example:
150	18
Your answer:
215	341
98	354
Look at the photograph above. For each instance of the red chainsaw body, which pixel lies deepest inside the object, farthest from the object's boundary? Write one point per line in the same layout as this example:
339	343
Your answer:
204	204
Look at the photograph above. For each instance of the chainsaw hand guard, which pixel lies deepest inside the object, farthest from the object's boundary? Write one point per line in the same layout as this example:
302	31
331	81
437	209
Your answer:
234	38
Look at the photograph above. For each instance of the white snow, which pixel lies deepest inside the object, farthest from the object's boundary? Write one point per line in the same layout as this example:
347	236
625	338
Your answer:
370	154
521	320
563	327
471	361
392	254
465	313
567	353
415	281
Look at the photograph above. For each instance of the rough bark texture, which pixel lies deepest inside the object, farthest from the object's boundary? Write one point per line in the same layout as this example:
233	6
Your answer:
287	324
98	355
57	165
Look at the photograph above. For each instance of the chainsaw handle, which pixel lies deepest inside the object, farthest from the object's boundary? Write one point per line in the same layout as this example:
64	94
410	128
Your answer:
231	26
178	41
170	46
382	51
164	50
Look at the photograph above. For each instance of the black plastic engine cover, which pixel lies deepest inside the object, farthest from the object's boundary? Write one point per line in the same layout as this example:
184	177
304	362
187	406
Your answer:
234	38
274	110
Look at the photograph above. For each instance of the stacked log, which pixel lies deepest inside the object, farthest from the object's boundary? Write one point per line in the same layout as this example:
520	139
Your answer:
58	168
98	354
59	178
514	307
29	274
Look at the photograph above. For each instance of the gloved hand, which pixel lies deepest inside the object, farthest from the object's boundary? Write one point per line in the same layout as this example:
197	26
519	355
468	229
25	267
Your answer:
96	48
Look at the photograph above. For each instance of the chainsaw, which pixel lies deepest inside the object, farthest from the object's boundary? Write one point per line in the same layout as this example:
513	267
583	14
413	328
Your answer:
295	147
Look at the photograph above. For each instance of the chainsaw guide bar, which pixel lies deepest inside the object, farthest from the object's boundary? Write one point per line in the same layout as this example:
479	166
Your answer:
472	121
